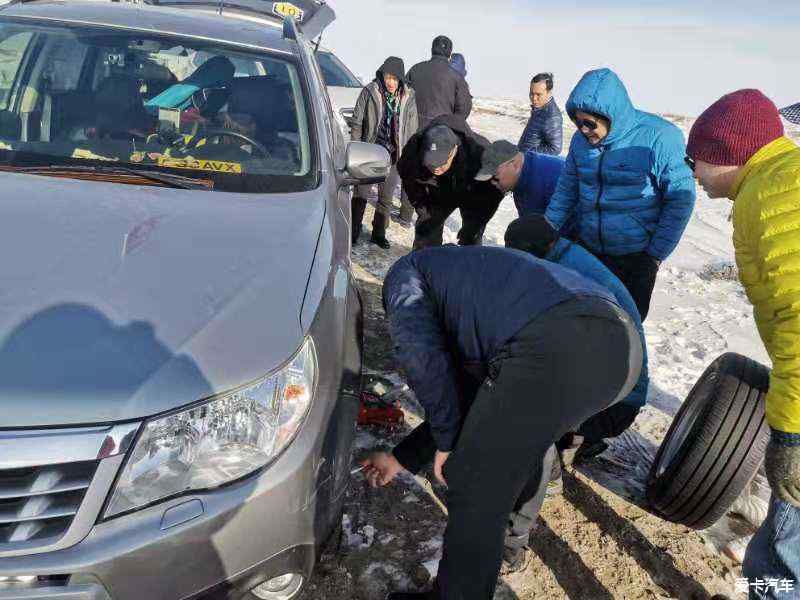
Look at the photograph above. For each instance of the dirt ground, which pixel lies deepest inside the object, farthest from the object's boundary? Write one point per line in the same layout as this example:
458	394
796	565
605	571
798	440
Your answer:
590	543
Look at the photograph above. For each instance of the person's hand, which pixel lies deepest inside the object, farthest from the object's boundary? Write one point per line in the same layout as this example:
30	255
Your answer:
783	471
380	468
438	463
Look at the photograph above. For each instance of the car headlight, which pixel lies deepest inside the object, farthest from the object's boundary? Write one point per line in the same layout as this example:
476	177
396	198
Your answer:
218	441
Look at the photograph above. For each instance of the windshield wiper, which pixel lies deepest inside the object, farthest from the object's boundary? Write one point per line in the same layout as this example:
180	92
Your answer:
166	179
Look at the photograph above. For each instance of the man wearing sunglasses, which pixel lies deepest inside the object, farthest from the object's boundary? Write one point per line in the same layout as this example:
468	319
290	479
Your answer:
626	180
738	150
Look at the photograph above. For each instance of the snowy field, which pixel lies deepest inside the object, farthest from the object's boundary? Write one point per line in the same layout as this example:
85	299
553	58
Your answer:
596	541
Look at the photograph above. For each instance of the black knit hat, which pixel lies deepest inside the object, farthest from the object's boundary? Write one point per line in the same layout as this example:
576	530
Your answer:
393	66
531	233
442	46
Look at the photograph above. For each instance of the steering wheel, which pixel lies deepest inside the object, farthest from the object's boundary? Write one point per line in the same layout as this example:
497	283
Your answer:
210	134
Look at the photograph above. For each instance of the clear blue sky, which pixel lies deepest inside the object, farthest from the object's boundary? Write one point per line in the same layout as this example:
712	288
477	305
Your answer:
675	57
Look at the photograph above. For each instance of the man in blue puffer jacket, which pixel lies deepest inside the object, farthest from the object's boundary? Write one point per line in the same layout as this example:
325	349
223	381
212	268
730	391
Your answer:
626	179
534	234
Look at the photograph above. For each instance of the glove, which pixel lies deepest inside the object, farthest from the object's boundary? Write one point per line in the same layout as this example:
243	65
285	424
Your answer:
782	463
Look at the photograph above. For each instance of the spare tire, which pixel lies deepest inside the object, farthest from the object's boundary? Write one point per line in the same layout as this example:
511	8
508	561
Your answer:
715	444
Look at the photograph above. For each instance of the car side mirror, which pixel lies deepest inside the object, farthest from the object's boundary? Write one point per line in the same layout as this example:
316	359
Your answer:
366	164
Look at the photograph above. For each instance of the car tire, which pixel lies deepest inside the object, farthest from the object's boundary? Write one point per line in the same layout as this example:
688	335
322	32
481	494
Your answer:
714	446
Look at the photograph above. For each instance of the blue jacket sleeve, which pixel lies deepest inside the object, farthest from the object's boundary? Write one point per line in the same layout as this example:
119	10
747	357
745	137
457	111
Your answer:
530	137
565	198
678	193
420	345
553	133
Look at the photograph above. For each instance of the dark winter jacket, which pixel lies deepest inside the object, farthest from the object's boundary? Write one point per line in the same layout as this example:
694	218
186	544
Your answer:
440	90
449	305
573	256
634	192
370	109
458	185
459	64
545	130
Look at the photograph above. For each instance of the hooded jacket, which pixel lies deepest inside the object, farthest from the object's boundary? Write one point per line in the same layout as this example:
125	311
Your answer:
370	109
544	132
459	64
632	193
766	237
440	90
458	185
577	258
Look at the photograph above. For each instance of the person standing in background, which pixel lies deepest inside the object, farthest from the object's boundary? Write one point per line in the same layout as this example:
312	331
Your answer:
459	64
440	89
385	114
545	130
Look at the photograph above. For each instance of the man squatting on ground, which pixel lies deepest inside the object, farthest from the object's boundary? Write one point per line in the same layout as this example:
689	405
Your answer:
506	353
438	169
534	234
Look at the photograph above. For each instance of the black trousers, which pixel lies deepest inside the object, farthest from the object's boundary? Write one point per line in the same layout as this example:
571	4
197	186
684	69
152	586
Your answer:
429	228
570	363
638	274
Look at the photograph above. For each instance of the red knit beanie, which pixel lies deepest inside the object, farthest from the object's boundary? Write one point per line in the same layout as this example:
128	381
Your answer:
734	128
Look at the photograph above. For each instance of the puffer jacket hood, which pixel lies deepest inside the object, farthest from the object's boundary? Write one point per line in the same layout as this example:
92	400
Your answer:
459	64
602	92
392	66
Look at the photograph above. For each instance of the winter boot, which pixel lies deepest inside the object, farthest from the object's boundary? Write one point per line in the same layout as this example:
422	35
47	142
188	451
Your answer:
515	560
380	241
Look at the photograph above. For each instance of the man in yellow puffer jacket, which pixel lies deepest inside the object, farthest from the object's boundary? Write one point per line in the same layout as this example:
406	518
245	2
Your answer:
737	150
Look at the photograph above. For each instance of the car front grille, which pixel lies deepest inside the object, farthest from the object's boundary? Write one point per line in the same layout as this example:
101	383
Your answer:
38	504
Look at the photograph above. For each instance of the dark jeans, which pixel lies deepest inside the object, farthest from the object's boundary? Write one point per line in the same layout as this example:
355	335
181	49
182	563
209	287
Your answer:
429	228
570	363
638	274
383	208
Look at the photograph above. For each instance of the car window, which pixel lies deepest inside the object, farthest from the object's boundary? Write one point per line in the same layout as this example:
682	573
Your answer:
335	73
12	51
148	101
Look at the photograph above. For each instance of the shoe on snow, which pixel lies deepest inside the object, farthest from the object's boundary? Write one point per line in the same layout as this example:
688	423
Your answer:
589	451
515	560
381	242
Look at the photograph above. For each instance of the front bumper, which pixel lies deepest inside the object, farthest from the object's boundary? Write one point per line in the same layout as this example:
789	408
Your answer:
217	544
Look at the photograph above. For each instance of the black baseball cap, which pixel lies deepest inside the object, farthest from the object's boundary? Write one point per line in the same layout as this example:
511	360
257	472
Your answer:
437	144
495	155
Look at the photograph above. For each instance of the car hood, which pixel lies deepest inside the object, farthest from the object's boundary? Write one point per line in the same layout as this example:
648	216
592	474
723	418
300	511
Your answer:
119	302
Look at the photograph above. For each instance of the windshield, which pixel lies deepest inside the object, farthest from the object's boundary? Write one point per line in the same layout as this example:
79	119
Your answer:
80	95
335	73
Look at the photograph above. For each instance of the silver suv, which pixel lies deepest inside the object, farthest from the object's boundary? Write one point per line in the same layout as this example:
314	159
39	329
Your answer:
180	331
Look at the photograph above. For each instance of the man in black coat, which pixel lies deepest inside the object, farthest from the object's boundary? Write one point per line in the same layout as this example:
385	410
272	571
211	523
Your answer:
440	89
506	353
439	167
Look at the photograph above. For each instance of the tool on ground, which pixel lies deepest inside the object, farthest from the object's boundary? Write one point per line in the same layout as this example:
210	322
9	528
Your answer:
381	410
426	485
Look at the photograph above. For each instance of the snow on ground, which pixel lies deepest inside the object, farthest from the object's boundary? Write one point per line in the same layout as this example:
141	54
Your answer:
597	538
